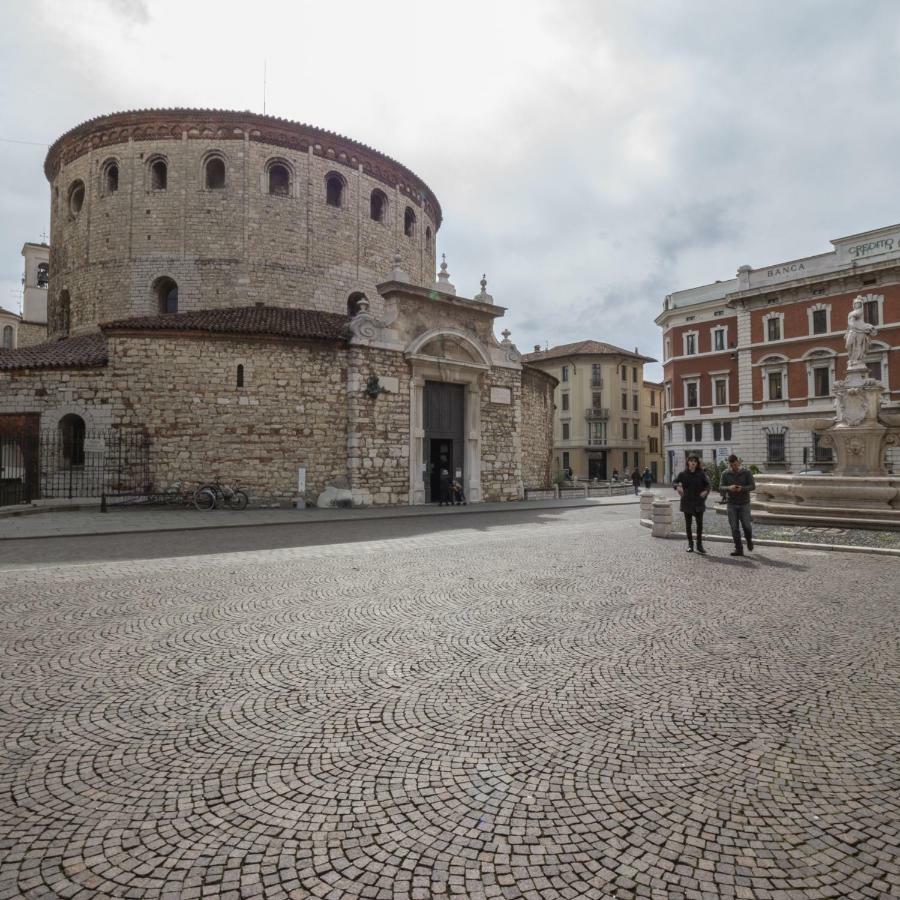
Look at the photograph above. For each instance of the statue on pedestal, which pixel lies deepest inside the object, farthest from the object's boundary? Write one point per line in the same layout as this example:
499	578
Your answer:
858	338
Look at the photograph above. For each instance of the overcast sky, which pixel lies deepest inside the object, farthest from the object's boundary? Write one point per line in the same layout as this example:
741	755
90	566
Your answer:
591	156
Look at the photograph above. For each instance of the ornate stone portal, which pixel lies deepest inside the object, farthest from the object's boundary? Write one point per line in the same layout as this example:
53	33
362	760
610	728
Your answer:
860	491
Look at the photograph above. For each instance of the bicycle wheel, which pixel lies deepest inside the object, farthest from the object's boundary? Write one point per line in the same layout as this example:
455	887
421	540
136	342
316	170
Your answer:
238	500
205	500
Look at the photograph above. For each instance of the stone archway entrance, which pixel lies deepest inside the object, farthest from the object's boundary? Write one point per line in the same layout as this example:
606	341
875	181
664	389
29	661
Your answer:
447	366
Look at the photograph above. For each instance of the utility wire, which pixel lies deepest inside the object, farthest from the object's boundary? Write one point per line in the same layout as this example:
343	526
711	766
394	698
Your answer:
29	143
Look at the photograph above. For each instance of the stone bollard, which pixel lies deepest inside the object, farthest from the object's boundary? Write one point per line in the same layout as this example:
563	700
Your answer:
647	498
662	518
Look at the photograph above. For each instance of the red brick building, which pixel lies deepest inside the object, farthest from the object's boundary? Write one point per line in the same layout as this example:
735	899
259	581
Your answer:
745	360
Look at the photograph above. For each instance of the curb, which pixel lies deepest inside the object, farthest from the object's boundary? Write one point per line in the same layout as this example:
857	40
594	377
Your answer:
799	545
415	512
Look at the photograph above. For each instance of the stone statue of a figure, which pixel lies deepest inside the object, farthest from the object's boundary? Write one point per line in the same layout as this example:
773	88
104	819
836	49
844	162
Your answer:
859	336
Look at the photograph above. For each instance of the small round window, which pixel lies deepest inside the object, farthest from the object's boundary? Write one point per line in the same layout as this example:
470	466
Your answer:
76	197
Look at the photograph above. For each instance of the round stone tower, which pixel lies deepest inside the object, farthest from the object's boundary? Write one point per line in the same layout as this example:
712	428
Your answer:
174	210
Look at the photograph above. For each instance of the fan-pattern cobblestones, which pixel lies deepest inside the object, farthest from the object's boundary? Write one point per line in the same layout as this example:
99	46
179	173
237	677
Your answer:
542	711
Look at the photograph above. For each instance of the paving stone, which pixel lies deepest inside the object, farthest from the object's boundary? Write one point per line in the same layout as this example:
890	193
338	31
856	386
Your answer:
560	708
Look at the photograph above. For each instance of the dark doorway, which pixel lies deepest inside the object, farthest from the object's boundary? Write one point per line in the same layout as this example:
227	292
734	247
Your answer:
597	466
19	458
443	416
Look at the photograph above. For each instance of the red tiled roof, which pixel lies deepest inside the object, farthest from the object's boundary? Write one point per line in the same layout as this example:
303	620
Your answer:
583	348
261	320
86	350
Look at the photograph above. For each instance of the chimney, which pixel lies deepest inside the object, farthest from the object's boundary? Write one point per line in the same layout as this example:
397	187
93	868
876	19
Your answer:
636	351
537	348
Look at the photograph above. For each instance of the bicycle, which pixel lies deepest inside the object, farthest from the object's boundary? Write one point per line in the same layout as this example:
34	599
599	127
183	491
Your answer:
179	494
208	496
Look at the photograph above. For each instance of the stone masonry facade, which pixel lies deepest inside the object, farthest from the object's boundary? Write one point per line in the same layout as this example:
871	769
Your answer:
306	324
226	246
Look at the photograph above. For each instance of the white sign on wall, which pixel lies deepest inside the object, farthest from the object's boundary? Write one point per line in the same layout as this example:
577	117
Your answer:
501	395
94	445
301	480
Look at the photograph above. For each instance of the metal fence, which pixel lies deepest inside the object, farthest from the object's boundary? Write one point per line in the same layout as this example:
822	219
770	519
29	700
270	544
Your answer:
72	462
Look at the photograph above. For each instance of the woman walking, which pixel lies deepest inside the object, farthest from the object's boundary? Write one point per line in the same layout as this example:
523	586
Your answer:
693	486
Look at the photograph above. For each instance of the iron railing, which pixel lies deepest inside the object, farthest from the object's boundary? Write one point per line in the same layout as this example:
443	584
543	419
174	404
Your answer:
72	463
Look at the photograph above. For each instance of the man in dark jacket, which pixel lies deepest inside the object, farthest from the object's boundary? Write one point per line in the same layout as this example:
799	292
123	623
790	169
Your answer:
636	480
736	485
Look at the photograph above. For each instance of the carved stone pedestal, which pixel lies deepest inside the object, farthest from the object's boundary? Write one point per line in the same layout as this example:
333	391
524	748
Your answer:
857	436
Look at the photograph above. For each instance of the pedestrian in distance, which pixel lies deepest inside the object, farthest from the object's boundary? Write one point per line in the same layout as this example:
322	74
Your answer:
647	478
459	495
736	485
693	487
615	475
446	489
636	480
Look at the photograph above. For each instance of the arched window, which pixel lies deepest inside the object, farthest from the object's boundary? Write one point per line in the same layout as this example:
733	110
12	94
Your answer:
353	302
63	312
409	222
166	295
334	190
43	275
378	205
71	433
215	173
159	175
279	180
240	376
7	337
76	197
428	237
110	177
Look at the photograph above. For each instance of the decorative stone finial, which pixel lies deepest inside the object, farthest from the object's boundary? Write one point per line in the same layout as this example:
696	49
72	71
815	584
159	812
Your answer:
443	283
483	296
398	273
506	332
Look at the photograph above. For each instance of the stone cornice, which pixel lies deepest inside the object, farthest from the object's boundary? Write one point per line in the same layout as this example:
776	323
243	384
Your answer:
386	288
224	125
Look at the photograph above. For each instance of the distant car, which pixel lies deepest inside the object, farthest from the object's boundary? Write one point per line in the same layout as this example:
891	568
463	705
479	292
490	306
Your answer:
810	472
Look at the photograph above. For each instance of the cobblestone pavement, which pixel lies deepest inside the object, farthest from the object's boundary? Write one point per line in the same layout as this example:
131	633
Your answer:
543	710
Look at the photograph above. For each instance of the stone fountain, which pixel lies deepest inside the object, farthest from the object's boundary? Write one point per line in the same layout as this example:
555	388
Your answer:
860	492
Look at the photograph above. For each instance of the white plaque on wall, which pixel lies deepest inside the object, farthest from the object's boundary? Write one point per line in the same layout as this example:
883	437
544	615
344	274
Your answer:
501	395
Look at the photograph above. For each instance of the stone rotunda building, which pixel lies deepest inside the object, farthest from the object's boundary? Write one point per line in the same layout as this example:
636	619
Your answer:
257	296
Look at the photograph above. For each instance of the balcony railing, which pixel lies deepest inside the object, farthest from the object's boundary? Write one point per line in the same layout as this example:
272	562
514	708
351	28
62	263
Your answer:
596	412
596	381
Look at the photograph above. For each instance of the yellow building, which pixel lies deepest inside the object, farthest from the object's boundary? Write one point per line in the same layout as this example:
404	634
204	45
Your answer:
597	427
651	428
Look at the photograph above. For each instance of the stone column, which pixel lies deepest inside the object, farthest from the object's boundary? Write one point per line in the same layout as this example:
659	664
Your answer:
416	440
662	518
473	441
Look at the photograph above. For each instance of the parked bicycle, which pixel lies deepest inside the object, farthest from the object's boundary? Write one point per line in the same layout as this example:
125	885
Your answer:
179	493
209	496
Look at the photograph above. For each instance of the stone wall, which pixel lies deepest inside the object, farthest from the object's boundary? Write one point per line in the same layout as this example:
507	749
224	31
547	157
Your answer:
30	333
227	247
501	437
291	411
53	393
378	443
537	427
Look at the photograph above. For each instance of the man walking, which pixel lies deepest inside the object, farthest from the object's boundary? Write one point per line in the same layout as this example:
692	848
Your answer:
736	485
636	480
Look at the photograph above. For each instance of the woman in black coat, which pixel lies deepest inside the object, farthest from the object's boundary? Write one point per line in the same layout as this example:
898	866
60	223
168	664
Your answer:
693	486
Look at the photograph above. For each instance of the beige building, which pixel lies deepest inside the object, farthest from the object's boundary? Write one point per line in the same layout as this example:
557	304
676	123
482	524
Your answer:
35	283
651	428
256	298
597	423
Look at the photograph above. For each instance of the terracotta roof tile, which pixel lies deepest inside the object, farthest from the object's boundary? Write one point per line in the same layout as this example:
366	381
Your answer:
583	348
261	320
86	350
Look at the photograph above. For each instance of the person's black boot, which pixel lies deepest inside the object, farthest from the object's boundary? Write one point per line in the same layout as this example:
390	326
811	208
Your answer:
700	548
749	539
737	552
